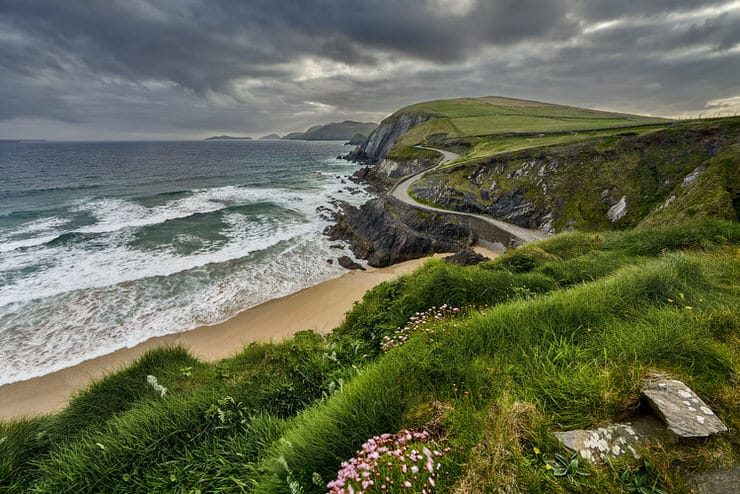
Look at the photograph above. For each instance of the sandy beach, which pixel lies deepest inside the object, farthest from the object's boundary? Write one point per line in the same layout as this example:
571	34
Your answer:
320	307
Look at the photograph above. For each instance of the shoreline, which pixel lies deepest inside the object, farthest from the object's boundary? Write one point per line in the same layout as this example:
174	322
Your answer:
320	307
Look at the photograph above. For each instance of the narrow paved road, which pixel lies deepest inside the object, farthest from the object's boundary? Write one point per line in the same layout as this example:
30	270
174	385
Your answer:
401	192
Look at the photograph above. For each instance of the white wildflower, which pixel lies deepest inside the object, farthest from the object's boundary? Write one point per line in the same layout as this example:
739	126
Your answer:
157	387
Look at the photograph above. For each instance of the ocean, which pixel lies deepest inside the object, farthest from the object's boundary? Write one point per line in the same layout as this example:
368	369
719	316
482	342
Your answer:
106	244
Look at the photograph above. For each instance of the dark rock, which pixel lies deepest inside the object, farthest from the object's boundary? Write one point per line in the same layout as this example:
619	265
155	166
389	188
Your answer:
717	482
347	263
685	414
330	261
385	231
385	173
336	246
466	257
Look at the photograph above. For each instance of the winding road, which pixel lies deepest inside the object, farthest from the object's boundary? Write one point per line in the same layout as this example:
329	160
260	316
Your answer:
401	192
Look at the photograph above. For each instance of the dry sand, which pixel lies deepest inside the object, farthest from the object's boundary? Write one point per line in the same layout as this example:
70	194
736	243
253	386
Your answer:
320	307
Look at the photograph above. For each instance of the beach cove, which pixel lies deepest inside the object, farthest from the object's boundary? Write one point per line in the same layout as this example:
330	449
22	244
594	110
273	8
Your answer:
320	307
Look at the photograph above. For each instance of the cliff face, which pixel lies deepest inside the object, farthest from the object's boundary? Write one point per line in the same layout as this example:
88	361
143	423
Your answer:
385	231
383	175
383	138
616	182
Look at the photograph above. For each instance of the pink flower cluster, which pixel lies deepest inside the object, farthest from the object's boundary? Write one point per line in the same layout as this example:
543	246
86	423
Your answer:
420	321
390	463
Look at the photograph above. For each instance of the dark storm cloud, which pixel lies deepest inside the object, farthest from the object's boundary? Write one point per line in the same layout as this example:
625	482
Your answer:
184	67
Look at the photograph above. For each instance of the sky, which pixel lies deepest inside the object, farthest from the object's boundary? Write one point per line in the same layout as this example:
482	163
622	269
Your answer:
181	69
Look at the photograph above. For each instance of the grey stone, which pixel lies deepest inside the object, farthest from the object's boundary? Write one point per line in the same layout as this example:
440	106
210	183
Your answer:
691	177
685	414
618	211
717	482
596	445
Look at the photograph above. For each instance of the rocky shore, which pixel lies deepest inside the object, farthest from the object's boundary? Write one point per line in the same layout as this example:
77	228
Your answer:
385	231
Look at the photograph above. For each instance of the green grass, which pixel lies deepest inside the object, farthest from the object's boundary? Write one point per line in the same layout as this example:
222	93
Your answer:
490	117
486	146
556	335
577	178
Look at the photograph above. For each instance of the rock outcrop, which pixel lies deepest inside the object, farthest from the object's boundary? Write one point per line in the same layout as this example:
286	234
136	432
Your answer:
347	263
383	175
617	211
466	257
384	137
685	414
682	414
385	231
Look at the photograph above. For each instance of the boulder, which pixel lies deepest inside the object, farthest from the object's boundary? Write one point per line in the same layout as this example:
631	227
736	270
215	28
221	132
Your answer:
597	445
466	257
347	263
685	414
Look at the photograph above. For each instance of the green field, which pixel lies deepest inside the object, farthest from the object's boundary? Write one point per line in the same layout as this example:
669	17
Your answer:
494	117
552	336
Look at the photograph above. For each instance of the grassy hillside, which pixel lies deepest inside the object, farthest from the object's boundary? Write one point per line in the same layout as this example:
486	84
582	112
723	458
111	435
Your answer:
471	118
551	336
688	170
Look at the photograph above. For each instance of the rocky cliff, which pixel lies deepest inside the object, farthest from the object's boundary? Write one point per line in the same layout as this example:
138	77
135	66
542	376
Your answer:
384	231
381	140
385	173
621	181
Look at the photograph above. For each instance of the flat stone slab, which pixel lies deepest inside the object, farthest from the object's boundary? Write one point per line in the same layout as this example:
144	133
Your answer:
596	445
685	414
717	482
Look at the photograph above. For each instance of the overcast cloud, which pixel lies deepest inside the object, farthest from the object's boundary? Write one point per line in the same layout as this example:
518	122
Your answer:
131	69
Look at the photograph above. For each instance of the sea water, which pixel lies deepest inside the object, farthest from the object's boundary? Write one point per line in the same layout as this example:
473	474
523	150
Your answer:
104	245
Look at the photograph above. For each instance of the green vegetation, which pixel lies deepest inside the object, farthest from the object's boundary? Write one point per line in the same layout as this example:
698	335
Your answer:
475	120
551	336
572	181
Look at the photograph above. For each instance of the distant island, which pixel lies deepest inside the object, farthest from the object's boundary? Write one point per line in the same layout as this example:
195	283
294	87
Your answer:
269	137
228	138
335	131
15	141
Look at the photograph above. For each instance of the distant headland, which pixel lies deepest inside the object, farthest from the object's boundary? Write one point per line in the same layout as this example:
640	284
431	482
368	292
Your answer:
227	138
335	131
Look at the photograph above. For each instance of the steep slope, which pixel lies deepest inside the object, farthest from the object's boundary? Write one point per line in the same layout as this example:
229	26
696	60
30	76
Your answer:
686	171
